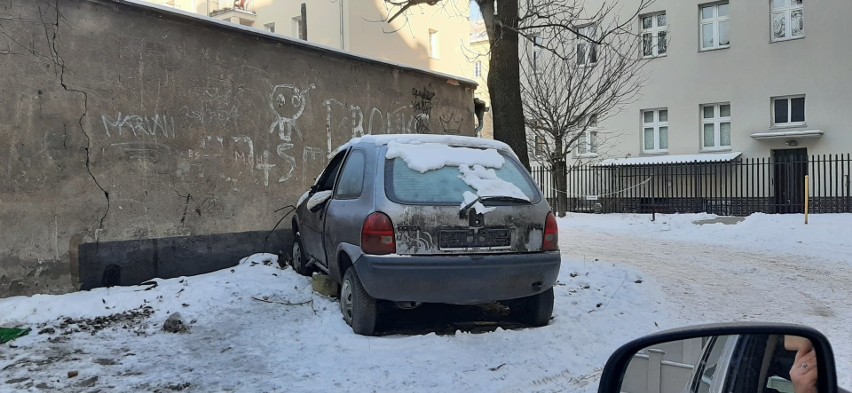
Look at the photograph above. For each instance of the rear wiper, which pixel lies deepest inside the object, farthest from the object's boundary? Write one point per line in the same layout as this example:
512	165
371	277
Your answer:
498	198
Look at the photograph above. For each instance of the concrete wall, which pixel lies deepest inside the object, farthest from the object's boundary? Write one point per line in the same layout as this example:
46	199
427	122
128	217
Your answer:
121	123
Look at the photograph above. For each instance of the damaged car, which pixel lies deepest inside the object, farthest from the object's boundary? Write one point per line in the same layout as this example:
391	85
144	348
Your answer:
413	219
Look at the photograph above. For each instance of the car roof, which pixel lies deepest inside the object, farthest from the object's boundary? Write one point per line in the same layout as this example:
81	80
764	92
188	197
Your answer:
452	140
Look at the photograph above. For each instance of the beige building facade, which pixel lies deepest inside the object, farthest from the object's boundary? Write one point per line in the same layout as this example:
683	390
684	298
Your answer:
427	37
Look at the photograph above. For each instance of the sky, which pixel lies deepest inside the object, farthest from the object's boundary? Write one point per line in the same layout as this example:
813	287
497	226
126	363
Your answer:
258	327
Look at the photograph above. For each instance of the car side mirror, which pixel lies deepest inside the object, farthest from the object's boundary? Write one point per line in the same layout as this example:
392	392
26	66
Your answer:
722	358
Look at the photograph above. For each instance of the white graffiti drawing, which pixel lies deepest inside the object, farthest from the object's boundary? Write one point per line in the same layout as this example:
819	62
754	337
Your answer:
240	157
312	157
291	161
139	125
264	165
288	102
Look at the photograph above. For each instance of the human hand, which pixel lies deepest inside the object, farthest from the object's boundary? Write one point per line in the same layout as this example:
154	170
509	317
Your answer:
804	373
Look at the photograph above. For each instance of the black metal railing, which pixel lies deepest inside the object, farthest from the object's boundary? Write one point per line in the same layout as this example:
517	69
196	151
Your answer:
740	187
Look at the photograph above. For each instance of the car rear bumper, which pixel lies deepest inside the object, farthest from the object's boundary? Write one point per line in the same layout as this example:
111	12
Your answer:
458	279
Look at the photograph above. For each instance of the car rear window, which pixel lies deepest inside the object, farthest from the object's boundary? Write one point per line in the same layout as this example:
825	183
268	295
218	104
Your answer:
444	186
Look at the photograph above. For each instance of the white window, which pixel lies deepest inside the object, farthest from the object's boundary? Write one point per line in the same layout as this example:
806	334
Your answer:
588	143
434	44
540	146
477	69
587	51
538	41
715	26
270	27
788	111
297	27
788	19
654	33
655	131
716	126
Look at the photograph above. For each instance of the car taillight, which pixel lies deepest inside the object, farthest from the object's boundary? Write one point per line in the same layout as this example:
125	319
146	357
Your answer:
377	235
551	234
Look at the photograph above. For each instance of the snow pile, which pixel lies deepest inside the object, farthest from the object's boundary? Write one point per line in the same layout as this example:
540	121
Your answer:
318	199
425	157
486	183
452	140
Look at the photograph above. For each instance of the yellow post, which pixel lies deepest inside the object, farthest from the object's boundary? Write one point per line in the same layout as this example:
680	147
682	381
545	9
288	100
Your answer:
807	196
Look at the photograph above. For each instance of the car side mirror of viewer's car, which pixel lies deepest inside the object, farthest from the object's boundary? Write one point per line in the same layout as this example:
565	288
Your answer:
724	358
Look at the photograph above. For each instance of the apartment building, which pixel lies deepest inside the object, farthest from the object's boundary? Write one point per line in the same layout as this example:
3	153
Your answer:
426	37
754	77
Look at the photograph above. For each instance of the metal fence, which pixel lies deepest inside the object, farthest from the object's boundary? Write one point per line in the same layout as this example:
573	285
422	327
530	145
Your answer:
740	187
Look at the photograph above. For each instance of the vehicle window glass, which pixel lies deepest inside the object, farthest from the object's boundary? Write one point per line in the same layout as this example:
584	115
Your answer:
352	178
326	180
709	368
444	186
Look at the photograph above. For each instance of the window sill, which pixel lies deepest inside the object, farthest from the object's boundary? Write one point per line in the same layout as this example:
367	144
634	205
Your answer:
655	152
714	149
714	48
586	155
654	57
787	126
773	41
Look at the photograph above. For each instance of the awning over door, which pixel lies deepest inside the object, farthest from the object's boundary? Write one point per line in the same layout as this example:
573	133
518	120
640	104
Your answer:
673	159
787	134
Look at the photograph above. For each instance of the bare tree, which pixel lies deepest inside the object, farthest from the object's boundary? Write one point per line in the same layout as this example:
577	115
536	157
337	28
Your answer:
510	22
570	83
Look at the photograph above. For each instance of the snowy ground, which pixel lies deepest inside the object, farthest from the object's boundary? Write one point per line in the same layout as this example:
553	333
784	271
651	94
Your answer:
259	328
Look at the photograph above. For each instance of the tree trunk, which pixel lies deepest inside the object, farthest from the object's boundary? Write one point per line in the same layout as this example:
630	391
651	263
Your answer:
504	75
561	188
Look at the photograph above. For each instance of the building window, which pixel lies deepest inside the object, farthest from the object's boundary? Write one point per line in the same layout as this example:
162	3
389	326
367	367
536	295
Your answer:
788	19
716	126
587	51
715	26
477	69
654	35
588	142
434	44
538	43
655	131
540	146
270	27
788	111
297	27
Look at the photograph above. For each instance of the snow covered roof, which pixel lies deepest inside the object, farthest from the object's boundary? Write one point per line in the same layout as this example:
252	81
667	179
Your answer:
787	134
293	41
423	157
673	159
415	139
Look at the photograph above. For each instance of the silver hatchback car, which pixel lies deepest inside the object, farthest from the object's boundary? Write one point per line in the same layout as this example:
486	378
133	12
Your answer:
412	219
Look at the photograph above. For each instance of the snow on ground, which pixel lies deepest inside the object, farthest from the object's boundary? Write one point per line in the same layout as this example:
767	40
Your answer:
256	327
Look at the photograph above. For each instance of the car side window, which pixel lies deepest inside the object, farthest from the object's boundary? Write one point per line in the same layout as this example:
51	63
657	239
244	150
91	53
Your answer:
352	178
327	178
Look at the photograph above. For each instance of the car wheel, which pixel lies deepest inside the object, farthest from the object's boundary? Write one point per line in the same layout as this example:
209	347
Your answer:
298	259
358	307
534	310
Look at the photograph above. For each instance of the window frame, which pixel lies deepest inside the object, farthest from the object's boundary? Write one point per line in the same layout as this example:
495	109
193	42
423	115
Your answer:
269	27
788	19
588	145
654	31
296	23
715	22
656	124
717	120
477	69
586	60
790	123
537	42
348	161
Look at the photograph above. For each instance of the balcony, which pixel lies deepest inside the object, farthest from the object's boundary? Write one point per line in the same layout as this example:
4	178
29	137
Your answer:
234	11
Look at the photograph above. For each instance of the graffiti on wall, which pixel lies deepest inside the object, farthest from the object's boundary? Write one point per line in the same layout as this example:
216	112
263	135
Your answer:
288	157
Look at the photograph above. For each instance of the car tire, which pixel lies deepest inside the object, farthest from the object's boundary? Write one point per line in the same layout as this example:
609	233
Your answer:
297	257
360	310
535	310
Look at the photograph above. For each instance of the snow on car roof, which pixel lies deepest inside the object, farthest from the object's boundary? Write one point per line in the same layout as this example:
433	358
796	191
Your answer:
413	139
425	157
